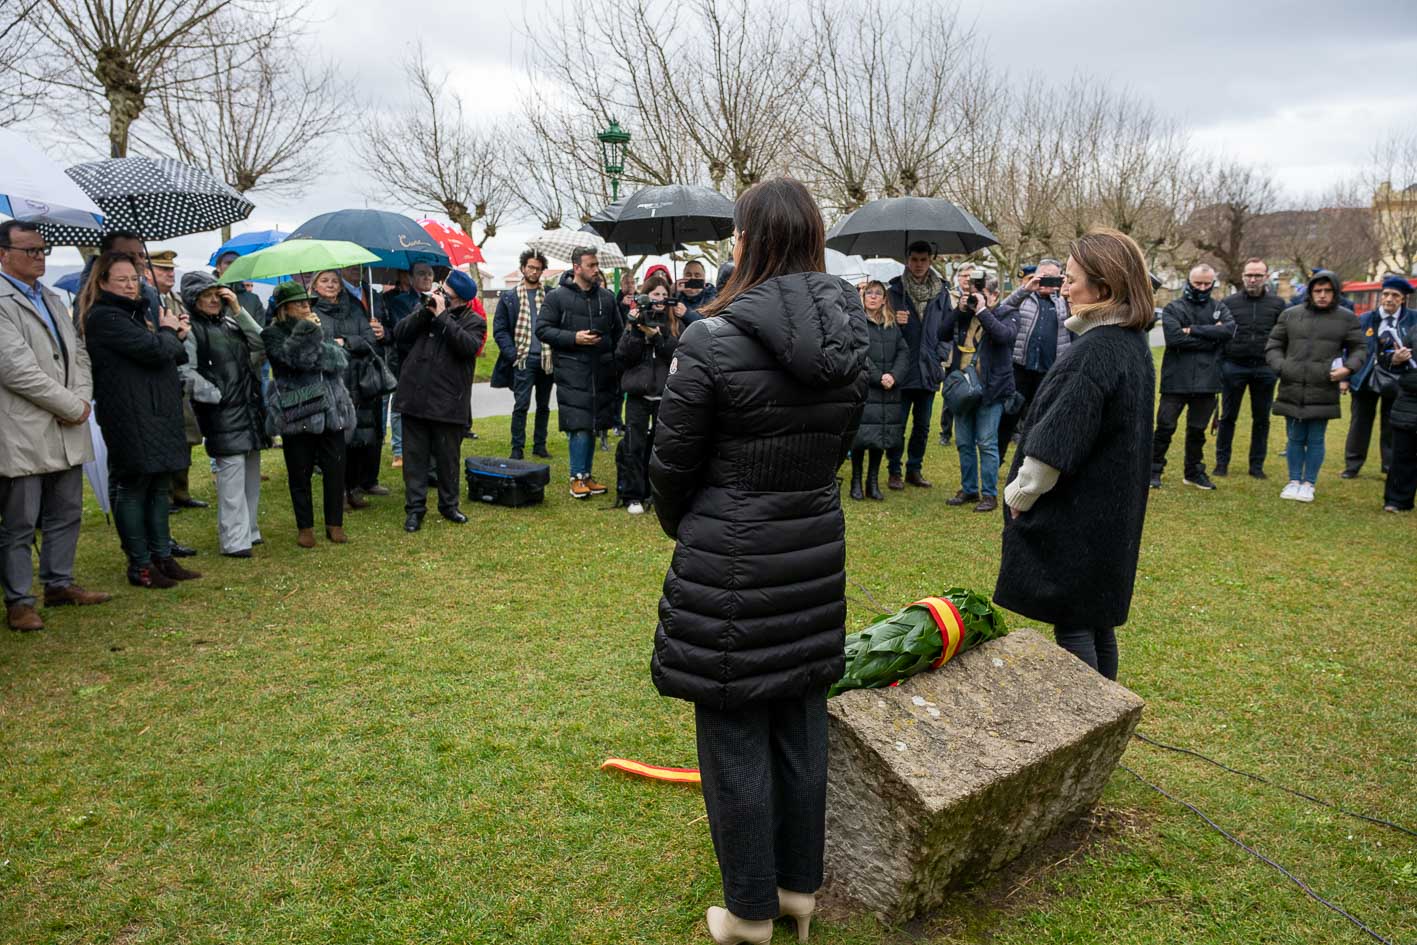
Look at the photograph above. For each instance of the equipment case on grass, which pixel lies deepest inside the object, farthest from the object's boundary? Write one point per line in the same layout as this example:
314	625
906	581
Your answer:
508	482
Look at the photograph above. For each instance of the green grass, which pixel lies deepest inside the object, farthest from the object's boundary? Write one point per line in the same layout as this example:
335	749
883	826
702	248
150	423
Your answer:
397	740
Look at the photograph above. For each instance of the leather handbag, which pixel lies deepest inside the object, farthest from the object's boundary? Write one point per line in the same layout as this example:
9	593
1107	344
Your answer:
963	392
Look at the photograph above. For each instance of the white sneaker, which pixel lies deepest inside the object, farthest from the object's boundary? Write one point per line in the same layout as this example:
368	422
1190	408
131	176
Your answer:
1291	491
1306	492
636	508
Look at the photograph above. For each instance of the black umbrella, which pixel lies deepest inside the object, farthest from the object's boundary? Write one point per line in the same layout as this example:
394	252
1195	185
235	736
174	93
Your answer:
887	226
661	219
157	198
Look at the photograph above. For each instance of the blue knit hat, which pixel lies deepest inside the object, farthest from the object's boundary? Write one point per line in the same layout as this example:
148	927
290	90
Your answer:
462	284
1398	283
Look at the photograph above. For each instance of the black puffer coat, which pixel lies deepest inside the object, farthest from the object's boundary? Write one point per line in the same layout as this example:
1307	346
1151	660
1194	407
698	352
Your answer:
137	393
1254	320
760	409
1301	350
442	355
1191	364
888	352
586	387
644	361
1404	409
237	424
346	319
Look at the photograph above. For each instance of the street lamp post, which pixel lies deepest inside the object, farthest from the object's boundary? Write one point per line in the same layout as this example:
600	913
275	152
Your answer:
614	142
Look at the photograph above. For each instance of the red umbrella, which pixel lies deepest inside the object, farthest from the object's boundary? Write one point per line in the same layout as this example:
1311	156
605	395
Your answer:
457	244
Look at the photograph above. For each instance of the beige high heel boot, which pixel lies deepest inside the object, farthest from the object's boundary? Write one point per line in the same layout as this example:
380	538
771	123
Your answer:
798	905
727	929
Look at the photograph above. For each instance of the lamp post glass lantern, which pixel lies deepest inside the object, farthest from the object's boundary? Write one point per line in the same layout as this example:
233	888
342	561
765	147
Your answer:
614	142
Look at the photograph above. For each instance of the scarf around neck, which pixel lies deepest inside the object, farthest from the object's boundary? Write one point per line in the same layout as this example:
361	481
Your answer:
922	293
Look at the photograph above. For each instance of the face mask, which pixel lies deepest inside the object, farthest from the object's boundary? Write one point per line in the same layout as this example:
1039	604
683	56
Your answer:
1197	296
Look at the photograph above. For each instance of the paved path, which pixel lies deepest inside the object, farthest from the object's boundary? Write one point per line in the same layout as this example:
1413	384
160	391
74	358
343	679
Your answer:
488	401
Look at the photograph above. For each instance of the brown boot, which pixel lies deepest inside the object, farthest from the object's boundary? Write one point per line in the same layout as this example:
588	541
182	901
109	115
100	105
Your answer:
987	504
149	576
895	482
24	618
961	498
73	594
170	568
913	478
306	538
335	533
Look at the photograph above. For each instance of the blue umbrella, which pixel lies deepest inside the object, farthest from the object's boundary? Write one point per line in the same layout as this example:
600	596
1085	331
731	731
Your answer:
70	283
398	241
245	243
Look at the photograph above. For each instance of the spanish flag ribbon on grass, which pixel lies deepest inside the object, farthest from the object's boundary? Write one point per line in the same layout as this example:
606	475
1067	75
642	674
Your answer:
925	635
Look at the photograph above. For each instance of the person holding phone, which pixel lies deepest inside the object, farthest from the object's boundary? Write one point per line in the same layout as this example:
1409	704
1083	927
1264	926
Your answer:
580	321
1042	338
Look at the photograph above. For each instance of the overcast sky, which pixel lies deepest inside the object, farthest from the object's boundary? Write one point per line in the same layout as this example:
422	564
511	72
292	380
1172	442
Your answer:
1301	87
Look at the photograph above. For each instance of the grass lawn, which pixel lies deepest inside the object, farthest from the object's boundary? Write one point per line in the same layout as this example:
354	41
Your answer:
397	740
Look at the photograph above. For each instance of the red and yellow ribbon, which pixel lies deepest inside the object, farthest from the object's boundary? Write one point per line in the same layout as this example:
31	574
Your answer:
653	772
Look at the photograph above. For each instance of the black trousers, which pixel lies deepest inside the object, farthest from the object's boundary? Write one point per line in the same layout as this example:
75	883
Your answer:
764	770
531	379
1095	646
361	465
302	451
1237	377
428	444
1199	409
1402	474
1026	382
632	455
1366	405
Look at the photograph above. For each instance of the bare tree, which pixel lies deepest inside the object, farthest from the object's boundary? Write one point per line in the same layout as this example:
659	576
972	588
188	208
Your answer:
119	56
554	171
1333	230
251	123
1233	195
431	156
1391	179
19	29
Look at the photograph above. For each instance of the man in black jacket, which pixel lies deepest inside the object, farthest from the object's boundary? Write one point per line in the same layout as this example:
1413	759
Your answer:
921	300
434	394
1242	367
580	321
1197	328
523	363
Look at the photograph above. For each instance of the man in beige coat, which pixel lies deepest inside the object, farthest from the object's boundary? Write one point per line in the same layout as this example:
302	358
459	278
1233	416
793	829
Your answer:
45	387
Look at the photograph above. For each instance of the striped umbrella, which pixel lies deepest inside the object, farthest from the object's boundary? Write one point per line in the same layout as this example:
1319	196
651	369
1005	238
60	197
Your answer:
559	244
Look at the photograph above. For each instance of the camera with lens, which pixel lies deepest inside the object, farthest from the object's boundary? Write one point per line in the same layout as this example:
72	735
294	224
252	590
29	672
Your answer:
652	313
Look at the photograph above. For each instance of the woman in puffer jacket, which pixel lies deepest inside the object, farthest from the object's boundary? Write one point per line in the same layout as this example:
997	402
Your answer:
643	357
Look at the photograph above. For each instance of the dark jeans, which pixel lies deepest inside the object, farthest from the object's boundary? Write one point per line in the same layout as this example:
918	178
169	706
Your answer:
919	403
1237	377
428	444
524	382
140	508
181	490
632	455
1026	383
764	770
302	451
361	463
1095	646
1402	474
1199	409
1366	405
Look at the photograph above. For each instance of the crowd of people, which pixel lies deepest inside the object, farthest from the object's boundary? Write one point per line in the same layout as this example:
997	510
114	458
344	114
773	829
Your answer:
331	364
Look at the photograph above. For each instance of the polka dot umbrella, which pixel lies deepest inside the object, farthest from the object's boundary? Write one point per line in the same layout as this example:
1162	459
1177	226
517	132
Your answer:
157	198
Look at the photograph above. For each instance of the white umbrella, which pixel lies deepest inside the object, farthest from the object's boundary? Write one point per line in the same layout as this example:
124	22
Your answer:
558	245
97	469
35	189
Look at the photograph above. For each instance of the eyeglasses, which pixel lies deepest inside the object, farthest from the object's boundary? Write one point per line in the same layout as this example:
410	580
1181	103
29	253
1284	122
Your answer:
1253	275
33	252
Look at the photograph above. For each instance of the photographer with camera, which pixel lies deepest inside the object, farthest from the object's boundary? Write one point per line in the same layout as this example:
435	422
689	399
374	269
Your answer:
693	291
435	394
643	355
983	346
1041	340
920	300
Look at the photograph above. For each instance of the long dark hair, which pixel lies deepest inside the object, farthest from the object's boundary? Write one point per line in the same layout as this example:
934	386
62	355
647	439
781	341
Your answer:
94	284
781	232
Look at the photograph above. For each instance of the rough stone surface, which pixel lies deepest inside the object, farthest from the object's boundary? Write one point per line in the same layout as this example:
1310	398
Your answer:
947	777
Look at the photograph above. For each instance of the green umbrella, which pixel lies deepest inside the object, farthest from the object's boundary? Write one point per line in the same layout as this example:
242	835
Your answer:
292	256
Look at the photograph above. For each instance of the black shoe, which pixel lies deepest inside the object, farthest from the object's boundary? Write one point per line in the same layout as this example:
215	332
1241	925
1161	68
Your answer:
515	454
604	443
190	503
873	488
944	439
1221	470
1348	474
413	521
173	508
243	553
856	492
1257	473
182	551
1199	479
470	435
1156	480
457	518
542	453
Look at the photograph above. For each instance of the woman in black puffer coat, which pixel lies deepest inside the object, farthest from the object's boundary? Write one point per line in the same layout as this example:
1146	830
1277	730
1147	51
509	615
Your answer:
1401	483
643	356
138	400
888	359
347	325
232	419
760	409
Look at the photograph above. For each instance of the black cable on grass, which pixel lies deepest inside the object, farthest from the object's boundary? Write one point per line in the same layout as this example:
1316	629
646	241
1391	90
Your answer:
1255	777
1263	859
